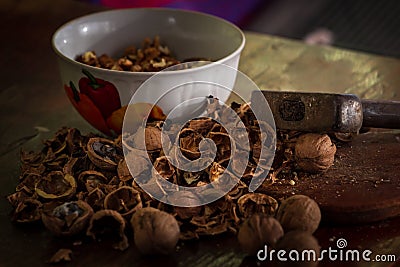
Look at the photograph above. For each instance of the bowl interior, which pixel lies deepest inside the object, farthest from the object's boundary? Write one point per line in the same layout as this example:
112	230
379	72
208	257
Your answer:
187	34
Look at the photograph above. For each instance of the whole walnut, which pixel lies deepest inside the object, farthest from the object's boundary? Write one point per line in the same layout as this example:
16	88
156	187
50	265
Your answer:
314	152
257	231
299	212
155	231
299	241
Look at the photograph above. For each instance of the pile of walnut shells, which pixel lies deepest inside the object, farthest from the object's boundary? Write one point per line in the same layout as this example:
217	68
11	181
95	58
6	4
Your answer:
80	184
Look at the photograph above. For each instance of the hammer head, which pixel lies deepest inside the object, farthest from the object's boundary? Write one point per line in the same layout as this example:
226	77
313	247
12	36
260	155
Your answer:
312	112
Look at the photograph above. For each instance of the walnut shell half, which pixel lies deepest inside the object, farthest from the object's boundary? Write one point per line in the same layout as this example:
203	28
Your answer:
125	200
104	153
28	210
67	219
109	224
56	185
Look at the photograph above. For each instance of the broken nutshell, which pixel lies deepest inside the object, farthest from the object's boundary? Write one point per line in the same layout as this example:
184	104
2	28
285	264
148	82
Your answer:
62	255
108	224
299	212
27	210
314	152
257	231
155	231
67	219
91	179
56	185
104	153
124	199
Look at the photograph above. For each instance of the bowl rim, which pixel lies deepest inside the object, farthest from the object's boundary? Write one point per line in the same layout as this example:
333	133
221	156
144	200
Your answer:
148	73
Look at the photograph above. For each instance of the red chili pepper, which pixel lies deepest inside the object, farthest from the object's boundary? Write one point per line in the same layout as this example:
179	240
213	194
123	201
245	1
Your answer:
103	93
88	110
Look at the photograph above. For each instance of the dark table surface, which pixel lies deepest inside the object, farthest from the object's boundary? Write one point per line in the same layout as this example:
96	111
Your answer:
33	107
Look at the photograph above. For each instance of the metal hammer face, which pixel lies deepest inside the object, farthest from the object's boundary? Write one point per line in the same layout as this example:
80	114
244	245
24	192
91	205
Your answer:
313	112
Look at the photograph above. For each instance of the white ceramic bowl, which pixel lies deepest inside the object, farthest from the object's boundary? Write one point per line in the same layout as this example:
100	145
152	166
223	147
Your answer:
187	34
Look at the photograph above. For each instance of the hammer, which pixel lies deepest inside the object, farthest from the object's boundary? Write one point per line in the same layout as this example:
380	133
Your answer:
320	112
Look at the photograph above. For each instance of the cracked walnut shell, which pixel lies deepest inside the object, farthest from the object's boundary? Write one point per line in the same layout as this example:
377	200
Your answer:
314	152
155	231
108	224
67	219
104	153
125	200
56	185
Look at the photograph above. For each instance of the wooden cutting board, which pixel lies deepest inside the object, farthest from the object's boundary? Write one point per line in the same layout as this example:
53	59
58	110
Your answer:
363	185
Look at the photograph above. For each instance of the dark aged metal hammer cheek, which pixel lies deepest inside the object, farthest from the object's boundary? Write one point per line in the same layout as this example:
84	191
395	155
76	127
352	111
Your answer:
319	112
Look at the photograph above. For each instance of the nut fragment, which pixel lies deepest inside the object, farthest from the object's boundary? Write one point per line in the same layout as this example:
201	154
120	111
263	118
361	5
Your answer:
299	212
314	152
155	231
152	56
62	255
257	231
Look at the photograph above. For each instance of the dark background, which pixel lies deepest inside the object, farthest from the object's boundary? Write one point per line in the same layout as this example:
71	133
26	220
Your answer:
364	25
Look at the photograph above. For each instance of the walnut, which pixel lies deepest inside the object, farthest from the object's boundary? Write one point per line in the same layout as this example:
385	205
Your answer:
257	231
299	241
314	152
155	231
299	212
